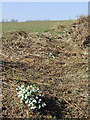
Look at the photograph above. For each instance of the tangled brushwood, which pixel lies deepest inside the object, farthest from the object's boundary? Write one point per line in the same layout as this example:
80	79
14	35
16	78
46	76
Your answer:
57	62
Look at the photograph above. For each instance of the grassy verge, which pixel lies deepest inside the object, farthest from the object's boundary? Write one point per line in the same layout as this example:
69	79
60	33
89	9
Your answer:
33	26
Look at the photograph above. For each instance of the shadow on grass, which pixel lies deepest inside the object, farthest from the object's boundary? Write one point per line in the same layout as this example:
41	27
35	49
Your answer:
53	108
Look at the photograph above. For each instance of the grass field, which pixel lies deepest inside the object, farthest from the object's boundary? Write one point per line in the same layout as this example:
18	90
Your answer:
33	26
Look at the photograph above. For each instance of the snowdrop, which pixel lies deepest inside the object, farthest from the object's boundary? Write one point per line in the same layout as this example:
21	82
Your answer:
25	97
19	95
39	107
30	95
37	89
33	107
16	88
22	86
40	100
28	104
40	95
20	101
26	101
36	97
28	87
34	101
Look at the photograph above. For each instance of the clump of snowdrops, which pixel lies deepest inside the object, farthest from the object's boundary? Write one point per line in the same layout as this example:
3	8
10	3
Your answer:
32	96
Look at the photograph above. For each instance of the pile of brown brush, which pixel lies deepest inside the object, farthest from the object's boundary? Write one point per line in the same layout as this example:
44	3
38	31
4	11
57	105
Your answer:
57	61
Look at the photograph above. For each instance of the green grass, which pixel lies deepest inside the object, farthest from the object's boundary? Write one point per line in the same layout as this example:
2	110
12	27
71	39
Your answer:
33	26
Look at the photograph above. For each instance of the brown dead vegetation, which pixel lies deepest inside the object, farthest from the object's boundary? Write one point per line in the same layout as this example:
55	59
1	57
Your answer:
57	62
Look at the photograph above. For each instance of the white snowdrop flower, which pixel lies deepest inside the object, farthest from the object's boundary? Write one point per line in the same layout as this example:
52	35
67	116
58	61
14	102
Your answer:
19	95
19	87
17	92
40	95
20	101
37	89
39	107
44	104
31	98
28	93
24	91
22	86
22	98
26	101
16	88
20	92
31	103
33	107
40	100
33	89
36	97
28	104
28	87
31	86
34	101
25	97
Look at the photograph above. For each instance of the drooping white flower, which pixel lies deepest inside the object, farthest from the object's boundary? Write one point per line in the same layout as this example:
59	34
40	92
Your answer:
39	107
31	98
36	97
19	87
19	95
40	94
22	97
20	92
26	101
34	101
31	103
37	89
16	88
28	87
24	91
20	101
43	104
22	86
31	86
25	97
28	104
40	100
28	93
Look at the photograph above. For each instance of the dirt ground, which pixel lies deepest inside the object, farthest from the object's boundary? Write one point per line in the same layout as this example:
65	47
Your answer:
55	61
